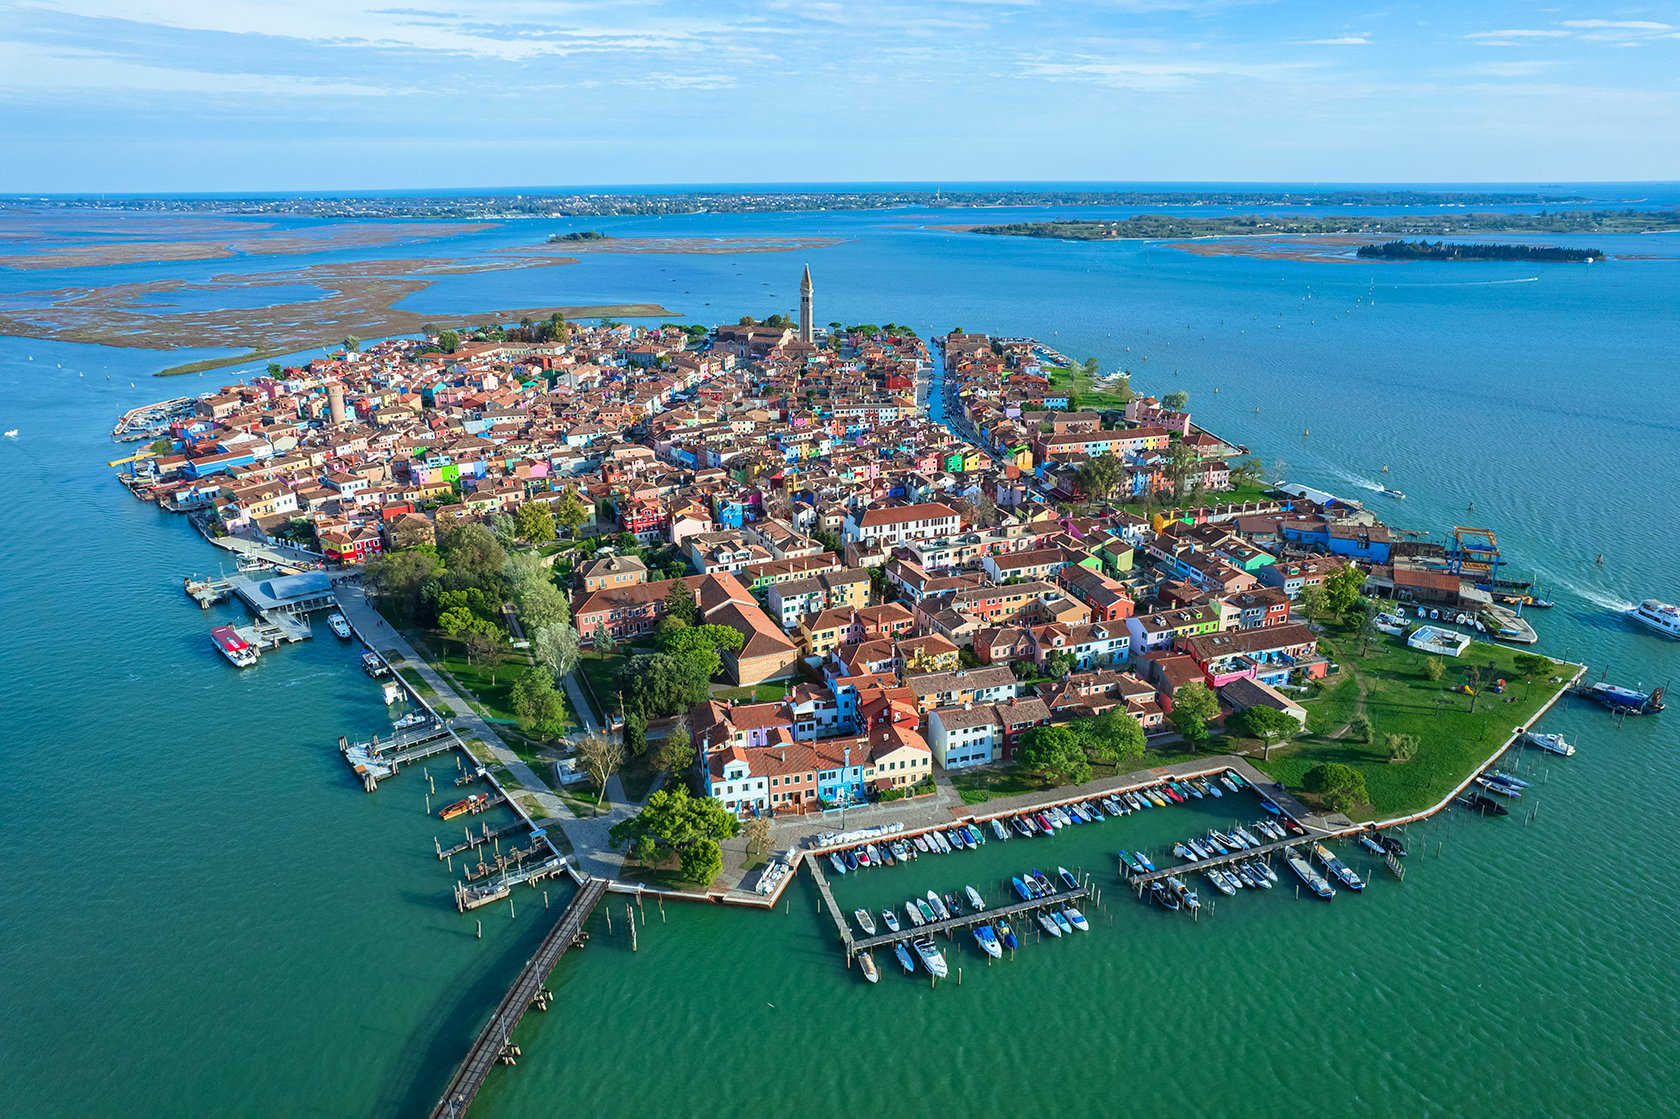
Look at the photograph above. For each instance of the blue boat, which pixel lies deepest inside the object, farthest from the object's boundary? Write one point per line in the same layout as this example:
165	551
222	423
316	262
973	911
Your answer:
838	862
1007	935
1021	888
988	941
1148	866
904	958
851	861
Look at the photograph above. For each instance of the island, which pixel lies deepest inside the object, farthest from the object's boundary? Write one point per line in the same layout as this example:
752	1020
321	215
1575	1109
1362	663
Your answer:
1448	250
931	588
1158	226
581	235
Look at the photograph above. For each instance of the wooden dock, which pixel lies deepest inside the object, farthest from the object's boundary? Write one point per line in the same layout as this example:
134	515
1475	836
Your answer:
1262	852
495	1040
485	835
854	945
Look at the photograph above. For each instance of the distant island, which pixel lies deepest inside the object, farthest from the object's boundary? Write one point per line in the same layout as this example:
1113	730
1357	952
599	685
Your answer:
482	206
582	235
1447	250
1159	226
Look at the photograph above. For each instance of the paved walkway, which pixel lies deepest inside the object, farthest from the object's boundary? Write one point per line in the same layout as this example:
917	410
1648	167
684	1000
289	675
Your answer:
466	722
580	703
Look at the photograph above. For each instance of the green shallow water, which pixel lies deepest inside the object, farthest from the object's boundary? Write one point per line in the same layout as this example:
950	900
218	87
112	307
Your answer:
205	915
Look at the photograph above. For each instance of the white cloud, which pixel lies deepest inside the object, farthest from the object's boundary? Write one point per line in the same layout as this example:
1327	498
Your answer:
1147	77
1610	32
61	70
1360	40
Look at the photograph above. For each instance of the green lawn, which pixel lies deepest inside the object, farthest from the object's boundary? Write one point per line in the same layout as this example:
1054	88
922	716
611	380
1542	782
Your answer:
768	692
1400	700
1090	394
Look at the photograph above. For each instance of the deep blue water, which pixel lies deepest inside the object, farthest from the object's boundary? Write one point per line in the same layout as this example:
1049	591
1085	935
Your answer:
207	916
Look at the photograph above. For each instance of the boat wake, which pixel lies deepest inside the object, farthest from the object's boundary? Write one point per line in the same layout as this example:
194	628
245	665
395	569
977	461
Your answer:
1474	283
1598	598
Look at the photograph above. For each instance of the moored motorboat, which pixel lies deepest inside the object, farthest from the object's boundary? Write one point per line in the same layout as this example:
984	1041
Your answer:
1067	878
975	901
1006	933
1185	853
1214	875
932	958
1021	888
1061	921
938	905
891	920
1047	924
1551	743
339	625
867	963
905	960
998	829
838	863
1130	862
928	912
473	804
988	939
851	859
865	920
1371	843
1304	871
1148	866
1338	869
238	651
920	843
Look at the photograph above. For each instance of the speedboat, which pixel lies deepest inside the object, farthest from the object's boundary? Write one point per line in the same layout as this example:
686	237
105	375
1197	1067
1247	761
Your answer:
1499	787
920	843
1509	779
1138	803
900	851
1388	491
913	910
1007	935
839	863
939	909
1156	797
1048	925
1163	897
952	905
1061	921
958	839
1393	844
932	958
975	901
998	829
1192	789
1220	883
1486	805
864	858
1236	778
975	836
929	913
1270	807
1551	743
1067	878
938	840
1045	824
339	626
988	939
870	971
1021	888
905	960
1185	894
1228	783
1185	853
891	920
1130	862
1660	616
1247	837
1173	794
1370	843
851	858
865	920
1313	879
1042	881
1213	788
1092	809
1022	825
1148	866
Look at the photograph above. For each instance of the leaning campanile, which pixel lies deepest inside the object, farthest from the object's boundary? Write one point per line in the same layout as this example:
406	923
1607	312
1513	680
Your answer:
805	312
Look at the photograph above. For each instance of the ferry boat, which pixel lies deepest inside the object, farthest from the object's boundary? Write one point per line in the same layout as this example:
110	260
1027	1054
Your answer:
474	803
1660	616
1629	701
1388	491
234	647
339	625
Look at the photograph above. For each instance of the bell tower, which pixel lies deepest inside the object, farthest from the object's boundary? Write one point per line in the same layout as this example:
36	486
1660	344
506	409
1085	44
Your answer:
805	312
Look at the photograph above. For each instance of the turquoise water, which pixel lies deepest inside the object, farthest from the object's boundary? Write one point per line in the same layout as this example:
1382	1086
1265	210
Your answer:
206	914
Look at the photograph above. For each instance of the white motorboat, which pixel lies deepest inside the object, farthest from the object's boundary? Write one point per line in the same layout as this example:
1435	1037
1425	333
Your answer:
1660	616
339	625
1551	743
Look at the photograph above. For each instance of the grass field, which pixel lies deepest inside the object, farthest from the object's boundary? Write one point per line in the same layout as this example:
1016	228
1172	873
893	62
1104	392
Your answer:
1390	687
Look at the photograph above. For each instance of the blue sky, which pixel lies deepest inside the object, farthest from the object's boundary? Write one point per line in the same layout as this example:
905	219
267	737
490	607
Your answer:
184	95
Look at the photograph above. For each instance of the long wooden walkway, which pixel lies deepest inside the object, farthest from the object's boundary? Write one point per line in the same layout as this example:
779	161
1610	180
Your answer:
1260	852
494	1039
984	917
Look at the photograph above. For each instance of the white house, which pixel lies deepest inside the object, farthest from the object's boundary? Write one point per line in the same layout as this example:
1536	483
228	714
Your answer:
893	525
964	736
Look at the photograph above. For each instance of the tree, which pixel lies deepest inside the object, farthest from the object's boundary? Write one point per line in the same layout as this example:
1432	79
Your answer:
161	446
1368	611
556	648
472	557
1055	753
504	528
703	643
538	703
701	860
1182	463
674	753
540	604
483	641
1247	472
570	512
1312	601
352	343
600	755
1359	728
1340	786
635	734
448	341
679	603
1400	747
1193	706
1113	738
396	578
536	522
1176	401
1341	590
757	832
1473	682
645	850
1271	726
663	683
1060	663
274	369
1433	669
1099	477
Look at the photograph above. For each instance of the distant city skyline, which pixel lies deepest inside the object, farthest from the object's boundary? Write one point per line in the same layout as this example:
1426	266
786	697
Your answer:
193	95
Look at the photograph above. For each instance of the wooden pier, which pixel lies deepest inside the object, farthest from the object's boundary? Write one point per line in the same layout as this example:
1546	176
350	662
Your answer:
1262	852
853	944
495	1040
487	834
